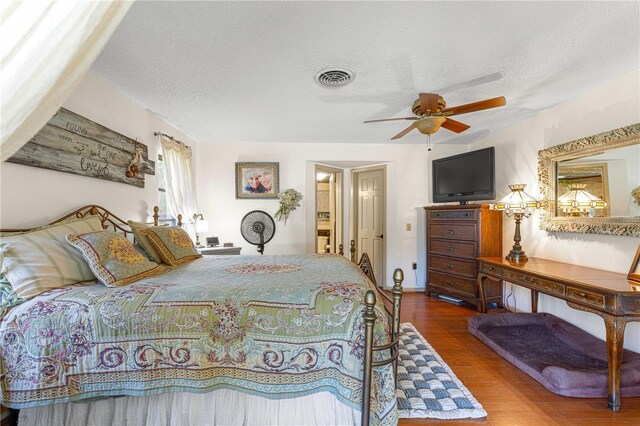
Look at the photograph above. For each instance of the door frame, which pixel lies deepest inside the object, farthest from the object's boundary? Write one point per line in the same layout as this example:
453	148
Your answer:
339	201
353	222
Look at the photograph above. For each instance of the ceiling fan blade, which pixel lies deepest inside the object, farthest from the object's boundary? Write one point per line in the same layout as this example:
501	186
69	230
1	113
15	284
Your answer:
429	102
454	126
392	119
404	132
476	106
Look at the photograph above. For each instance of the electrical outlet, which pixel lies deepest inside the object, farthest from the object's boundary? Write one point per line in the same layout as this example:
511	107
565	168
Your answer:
408	227
414	266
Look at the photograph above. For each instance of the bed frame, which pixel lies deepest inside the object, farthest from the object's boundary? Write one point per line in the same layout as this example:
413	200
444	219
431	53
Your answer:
111	221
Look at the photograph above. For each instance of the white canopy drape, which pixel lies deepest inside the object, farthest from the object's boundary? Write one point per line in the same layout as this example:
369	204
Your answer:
47	47
178	179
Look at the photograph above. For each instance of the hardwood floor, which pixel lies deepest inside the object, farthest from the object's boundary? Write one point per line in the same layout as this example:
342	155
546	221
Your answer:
509	396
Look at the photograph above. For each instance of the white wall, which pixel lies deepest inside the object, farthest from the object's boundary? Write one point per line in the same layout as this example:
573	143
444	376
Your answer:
613	105
407	192
30	196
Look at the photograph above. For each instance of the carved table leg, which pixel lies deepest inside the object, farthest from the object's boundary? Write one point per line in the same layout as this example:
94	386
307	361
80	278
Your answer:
534	301
482	307
482	291
615	340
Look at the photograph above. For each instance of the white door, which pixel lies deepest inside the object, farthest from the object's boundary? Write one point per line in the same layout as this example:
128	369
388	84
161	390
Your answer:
370	219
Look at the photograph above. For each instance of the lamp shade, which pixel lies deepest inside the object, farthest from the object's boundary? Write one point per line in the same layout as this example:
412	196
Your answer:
578	200
517	202
430	124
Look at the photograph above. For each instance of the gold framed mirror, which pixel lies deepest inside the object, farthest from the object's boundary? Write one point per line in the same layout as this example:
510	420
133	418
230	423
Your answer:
605	168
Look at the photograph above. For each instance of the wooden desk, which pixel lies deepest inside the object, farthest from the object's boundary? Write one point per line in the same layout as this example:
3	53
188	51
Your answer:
217	251
604	293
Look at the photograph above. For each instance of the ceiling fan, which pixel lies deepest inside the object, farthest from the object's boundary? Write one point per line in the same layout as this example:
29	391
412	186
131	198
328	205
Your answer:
432	113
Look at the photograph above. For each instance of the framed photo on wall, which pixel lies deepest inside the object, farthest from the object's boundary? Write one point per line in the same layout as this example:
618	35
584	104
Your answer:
257	180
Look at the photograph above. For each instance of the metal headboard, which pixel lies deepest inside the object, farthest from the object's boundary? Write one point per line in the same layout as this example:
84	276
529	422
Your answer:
108	219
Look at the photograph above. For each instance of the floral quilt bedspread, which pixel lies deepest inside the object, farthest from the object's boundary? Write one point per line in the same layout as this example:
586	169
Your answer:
276	326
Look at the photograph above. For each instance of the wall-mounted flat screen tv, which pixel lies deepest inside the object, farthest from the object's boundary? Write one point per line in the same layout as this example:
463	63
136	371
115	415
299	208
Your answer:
465	177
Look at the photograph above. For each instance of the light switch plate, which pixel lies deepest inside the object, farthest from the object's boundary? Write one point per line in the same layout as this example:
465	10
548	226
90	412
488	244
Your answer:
408	227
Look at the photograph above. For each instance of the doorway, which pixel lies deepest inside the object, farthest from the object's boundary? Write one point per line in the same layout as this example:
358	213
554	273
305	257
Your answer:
329	209
369	216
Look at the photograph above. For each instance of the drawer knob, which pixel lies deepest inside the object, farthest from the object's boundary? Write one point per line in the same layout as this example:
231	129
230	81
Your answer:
450	248
583	294
527	278
451	231
449	283
450	266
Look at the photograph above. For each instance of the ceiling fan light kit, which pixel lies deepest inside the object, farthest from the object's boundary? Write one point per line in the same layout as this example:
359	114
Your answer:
432	113
429	124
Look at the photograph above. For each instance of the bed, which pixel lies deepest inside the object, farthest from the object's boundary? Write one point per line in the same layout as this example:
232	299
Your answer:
274	330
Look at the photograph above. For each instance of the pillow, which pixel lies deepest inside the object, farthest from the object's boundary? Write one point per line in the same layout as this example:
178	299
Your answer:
172	243
62	222
141	239
37	261
112	258
8	298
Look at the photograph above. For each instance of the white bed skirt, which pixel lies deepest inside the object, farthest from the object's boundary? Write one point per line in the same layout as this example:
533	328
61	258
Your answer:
221	407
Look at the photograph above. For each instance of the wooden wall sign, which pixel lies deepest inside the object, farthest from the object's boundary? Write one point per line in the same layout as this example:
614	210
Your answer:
74	144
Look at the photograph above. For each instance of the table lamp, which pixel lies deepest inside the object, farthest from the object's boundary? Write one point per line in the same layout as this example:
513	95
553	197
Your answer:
518	204
578	201
201	225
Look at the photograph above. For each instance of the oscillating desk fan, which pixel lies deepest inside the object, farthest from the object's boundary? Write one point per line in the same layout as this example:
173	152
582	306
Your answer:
258	228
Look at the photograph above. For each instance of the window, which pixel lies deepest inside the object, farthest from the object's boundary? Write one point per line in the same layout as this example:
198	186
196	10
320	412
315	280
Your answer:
162	194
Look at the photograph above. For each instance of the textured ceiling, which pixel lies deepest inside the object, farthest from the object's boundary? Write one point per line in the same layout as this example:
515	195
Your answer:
243	71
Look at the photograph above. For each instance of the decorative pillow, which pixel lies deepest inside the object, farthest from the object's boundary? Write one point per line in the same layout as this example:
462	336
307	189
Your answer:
172	243
112	258
141	239
37	261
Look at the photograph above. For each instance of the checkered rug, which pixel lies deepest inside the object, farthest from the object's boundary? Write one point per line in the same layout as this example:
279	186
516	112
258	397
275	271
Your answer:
427	388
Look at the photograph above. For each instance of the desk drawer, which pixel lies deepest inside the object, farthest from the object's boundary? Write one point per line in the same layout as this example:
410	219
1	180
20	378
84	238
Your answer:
586	297
454	266
534	282
491	270
470	214
453	231
466	286
452	248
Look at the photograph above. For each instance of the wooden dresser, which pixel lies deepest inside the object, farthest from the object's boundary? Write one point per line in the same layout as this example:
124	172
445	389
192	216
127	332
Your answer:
456	236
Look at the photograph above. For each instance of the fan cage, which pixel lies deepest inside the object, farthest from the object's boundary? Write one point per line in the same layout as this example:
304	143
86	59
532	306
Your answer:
256	222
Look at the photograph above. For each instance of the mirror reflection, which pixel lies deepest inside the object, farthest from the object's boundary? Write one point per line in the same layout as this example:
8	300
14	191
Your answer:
603	185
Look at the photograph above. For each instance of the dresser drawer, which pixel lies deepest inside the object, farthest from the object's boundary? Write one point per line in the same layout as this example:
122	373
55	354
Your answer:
466	286
452	265
470	214
452	248
586	297
453	231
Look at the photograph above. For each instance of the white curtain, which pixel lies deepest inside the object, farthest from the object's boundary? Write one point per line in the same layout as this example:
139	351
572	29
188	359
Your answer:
178	179
46	48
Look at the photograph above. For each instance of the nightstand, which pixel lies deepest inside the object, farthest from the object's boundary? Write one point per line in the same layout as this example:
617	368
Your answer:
219	251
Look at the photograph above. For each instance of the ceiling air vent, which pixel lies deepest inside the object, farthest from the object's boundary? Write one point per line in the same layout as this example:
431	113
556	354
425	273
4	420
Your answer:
335	76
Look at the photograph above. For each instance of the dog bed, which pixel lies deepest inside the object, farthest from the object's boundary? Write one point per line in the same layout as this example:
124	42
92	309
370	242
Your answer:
563	358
